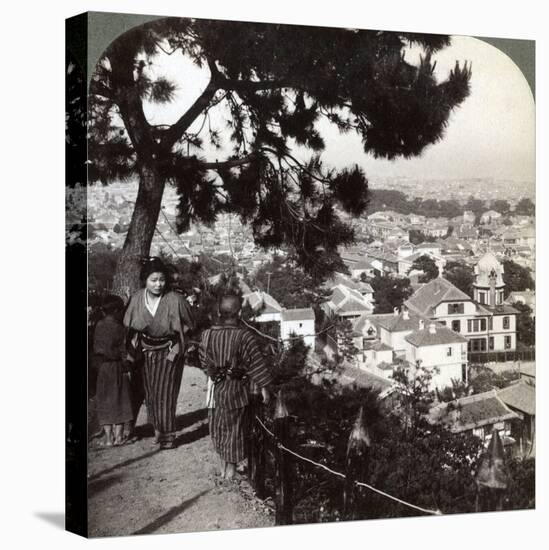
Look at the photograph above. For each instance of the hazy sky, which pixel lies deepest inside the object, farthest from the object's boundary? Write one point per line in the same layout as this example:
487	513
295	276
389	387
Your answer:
491	135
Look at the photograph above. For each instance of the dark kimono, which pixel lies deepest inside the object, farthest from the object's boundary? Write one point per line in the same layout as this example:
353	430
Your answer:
161	342
113	399
228	418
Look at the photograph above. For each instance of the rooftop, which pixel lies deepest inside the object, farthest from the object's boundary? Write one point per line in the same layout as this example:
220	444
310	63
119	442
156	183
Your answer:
472	412
365	379
520	396
402	322
433	293
442	335
300	314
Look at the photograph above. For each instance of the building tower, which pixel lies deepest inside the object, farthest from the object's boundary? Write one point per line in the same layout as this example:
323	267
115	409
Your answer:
488	288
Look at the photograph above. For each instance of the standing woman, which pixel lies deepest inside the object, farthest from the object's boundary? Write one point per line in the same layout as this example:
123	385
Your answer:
160	318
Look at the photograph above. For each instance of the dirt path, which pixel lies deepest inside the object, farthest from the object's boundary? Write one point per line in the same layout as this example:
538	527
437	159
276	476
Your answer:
137	489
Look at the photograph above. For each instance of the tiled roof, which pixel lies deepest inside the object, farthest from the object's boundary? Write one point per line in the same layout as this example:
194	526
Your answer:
472	412
348	300
520	396
262	302
528	369
433	293
364	378
502	309
376	345
398	323
442	335
301	314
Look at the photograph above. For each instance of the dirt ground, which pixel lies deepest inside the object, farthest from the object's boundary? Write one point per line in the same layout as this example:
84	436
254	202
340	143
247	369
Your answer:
138	489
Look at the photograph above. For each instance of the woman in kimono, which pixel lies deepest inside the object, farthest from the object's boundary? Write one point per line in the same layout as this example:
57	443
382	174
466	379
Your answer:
113	397
159	319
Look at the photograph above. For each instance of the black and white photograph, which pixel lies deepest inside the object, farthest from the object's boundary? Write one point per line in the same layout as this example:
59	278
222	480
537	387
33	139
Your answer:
311	291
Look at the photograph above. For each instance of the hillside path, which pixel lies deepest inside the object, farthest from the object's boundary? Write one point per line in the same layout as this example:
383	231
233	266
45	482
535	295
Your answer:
138	489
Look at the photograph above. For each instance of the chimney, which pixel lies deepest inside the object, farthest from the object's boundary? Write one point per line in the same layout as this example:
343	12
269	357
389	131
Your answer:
405	313
421	324
432	328
395	311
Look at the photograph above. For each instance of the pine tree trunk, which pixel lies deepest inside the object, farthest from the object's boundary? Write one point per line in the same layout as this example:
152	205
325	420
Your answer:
140	233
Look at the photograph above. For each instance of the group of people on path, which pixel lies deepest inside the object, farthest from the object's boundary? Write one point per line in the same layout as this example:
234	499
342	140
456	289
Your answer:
139	351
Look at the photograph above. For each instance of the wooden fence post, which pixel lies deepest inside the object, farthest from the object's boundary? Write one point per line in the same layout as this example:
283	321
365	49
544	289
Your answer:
491	477
256	447
356	466
283	489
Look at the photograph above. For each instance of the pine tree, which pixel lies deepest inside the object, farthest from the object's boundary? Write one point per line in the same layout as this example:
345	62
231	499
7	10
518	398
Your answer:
277	82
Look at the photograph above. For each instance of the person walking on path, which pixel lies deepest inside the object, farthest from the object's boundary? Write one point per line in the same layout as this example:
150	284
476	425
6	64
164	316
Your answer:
113	397
159	319
232	359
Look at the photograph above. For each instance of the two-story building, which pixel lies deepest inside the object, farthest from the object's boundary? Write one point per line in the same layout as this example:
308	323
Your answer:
440	350
298	322
486	322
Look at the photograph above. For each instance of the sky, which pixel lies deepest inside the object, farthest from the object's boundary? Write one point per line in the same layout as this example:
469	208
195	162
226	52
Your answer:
491	135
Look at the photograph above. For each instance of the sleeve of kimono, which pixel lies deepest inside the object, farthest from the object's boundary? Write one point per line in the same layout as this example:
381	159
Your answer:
128	315
185	315
258	371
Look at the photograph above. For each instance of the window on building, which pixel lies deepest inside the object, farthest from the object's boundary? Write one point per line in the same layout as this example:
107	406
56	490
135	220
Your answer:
491	343
490	323
501	297
482	297
300	325
464	372
507	342
456	326
506	322
442	323
449	351
455	308
476	325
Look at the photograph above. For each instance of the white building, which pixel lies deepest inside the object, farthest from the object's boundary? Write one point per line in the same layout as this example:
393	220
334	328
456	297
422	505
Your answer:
266	308
347	303
486	327
440	350
298	322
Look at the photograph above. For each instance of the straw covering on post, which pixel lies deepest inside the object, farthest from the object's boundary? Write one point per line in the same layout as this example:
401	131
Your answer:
492	478
356	465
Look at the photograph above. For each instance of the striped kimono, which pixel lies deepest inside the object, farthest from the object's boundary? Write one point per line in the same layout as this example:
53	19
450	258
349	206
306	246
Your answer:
220	345
161	342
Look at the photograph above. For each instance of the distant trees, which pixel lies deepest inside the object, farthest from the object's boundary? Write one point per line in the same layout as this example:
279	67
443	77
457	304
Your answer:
288	284
525	207
417	237
460	275
390	199
428	266
501	206
390	292
516	277
526	325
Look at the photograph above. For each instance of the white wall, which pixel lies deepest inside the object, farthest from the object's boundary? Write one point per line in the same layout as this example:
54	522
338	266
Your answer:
437	356
305	328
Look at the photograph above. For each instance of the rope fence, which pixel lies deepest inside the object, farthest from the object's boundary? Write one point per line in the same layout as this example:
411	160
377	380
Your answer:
343	476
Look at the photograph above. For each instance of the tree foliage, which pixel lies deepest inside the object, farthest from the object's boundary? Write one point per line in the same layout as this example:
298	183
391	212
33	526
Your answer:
274	85
460	275
526	324
390	292
427	265
516	277
289	284
525	207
